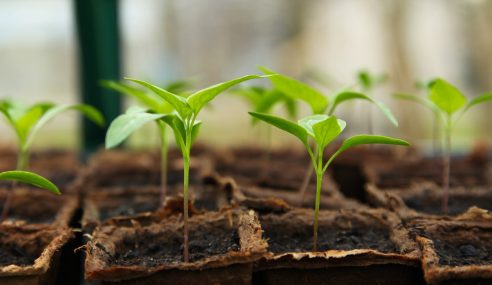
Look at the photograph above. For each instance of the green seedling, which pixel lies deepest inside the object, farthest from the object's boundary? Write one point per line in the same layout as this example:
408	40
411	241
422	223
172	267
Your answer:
26	122
183	121
368	82
451	105
322	130
427	104
135	118
263	100
320	104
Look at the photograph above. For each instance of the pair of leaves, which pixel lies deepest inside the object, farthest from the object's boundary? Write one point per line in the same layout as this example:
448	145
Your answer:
318	102
324	129
444	98
30	178
368	80
28	121
191	106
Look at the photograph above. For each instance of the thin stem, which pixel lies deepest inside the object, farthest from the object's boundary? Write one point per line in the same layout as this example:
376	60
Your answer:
319	181
164	149
23	159
446	166
22	162
186	160
435	137
267	153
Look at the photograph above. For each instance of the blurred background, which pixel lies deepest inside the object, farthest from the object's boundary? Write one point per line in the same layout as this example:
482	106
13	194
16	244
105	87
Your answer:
324	42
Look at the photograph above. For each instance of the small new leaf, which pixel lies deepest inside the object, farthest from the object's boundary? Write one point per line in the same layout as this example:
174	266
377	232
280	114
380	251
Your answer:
478	100
150	100
446	97
369	139
327	130
30	178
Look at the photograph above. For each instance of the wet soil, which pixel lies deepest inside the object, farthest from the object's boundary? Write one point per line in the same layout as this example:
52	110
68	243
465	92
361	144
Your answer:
151	249
33	206
299	238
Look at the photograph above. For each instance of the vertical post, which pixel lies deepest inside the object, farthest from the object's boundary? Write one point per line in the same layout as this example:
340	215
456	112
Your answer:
99	58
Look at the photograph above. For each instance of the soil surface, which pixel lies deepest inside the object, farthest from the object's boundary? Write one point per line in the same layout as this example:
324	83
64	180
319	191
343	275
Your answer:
13	254
429	203
156	249
463	254
37	206
299	238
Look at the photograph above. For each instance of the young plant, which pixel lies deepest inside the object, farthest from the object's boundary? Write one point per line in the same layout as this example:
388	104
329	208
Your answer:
427	104
322	130
135	118
183	121
368	81
320	104
451	105
27	121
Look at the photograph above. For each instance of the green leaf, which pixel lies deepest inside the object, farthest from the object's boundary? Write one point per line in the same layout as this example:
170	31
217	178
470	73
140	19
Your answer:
369	139
446	97
478	100
283	124
179	86
349	95
179	103
308	122
177	126
124	125
369	81
25	122
195	130
149	100
422	101
200	98
327	130
252	94
88	111
298	90
30	178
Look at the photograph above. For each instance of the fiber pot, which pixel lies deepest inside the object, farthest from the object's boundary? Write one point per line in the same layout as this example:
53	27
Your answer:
30	253
425	198
223	246
354	247
458	250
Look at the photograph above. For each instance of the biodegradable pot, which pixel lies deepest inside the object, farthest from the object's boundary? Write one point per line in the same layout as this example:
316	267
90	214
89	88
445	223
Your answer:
102	204
252	183
30	253
456	251
36	206
223	246
425	199
354	247
348	168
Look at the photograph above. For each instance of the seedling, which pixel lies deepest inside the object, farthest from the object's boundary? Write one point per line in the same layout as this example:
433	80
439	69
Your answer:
263	100
451	105
427	104
368	81
30	178
320	103
27	121
135	118
322	130
183	121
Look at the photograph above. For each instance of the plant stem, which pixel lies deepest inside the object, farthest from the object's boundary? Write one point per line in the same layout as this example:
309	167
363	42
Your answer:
186	161
267	153
435	137
319	181
446	166
22	161
162	132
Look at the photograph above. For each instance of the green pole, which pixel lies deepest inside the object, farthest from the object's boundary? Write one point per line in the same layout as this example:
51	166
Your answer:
99	58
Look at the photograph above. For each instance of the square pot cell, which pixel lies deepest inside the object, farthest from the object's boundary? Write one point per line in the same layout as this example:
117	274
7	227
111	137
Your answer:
426	199
30	254
458	250
354	247
37	206
223	246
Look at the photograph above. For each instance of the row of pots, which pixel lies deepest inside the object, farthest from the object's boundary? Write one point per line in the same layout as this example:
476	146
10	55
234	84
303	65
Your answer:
251	226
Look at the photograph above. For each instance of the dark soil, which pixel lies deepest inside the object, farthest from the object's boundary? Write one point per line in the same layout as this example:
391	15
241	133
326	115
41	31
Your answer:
13	254
167	248
129	208
463	253
299	238
429	203
37	206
